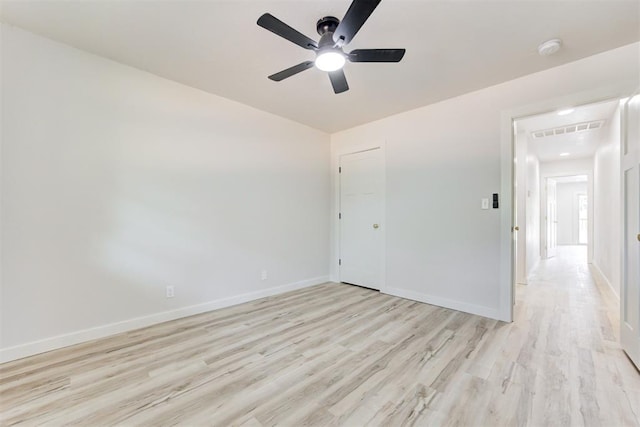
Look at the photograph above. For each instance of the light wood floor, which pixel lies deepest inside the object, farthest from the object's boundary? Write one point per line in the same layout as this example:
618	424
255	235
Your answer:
342	355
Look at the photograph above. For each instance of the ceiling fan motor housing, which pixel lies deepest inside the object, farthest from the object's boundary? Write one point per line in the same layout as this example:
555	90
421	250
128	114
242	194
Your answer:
327	25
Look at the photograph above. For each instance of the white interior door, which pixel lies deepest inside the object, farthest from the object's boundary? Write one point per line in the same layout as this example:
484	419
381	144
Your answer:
552	218
361	213
630	179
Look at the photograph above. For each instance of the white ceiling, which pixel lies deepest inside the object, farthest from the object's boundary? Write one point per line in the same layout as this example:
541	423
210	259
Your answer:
577	144
453	46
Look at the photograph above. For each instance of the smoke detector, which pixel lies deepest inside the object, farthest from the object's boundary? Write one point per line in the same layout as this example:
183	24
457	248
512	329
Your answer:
549	47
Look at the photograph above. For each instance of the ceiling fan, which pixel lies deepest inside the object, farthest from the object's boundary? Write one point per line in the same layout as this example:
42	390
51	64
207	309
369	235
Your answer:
334	35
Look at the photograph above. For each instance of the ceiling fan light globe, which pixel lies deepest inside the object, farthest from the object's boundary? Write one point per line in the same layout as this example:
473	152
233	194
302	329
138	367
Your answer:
330	60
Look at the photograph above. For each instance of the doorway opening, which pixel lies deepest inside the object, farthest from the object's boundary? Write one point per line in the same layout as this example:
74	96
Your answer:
585	168
612	200
570	222
558	157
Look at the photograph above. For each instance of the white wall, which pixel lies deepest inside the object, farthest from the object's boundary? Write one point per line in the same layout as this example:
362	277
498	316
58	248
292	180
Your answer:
567	194
533	213
117	183
607	227
441	160
569	167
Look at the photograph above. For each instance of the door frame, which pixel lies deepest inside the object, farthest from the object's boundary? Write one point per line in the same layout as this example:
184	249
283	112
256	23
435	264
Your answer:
628	337
543	198
576	205
507	149
337	153
544	213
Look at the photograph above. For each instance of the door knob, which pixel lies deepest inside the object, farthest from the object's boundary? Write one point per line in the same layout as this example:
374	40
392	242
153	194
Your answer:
516	228
638	237
376	226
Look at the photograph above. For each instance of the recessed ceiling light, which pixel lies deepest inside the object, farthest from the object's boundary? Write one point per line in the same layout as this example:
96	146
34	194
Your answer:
565	154
566	111
549	47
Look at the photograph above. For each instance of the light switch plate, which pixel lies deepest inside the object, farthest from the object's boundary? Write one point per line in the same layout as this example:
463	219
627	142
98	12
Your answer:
485	203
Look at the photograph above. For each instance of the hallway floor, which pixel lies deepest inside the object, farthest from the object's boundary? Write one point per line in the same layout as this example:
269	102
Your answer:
342	355
570	357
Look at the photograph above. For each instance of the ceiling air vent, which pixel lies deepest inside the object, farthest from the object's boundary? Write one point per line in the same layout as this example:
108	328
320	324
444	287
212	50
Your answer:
572	128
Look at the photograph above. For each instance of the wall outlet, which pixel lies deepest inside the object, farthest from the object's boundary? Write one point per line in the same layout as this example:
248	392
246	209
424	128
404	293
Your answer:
169	292
263	275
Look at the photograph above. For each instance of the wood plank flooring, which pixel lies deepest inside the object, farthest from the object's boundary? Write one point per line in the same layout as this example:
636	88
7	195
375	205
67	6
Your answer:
341	355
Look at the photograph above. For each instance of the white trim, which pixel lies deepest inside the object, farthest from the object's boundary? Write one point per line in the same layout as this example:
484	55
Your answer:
599	276
479	310
53	343
576	214
507	279
336	154
616	90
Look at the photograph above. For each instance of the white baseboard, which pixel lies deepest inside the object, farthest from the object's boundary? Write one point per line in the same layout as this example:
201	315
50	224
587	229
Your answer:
600	276
29	349
479	310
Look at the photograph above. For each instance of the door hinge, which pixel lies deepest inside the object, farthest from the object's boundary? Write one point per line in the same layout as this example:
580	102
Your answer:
340	216
340	169
339	262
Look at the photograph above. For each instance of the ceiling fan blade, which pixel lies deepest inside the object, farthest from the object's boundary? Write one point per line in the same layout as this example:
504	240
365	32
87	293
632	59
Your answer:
291	71
356	16
376	55
276	26
338	81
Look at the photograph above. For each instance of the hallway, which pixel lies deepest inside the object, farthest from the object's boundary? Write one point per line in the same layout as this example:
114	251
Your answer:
570	357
